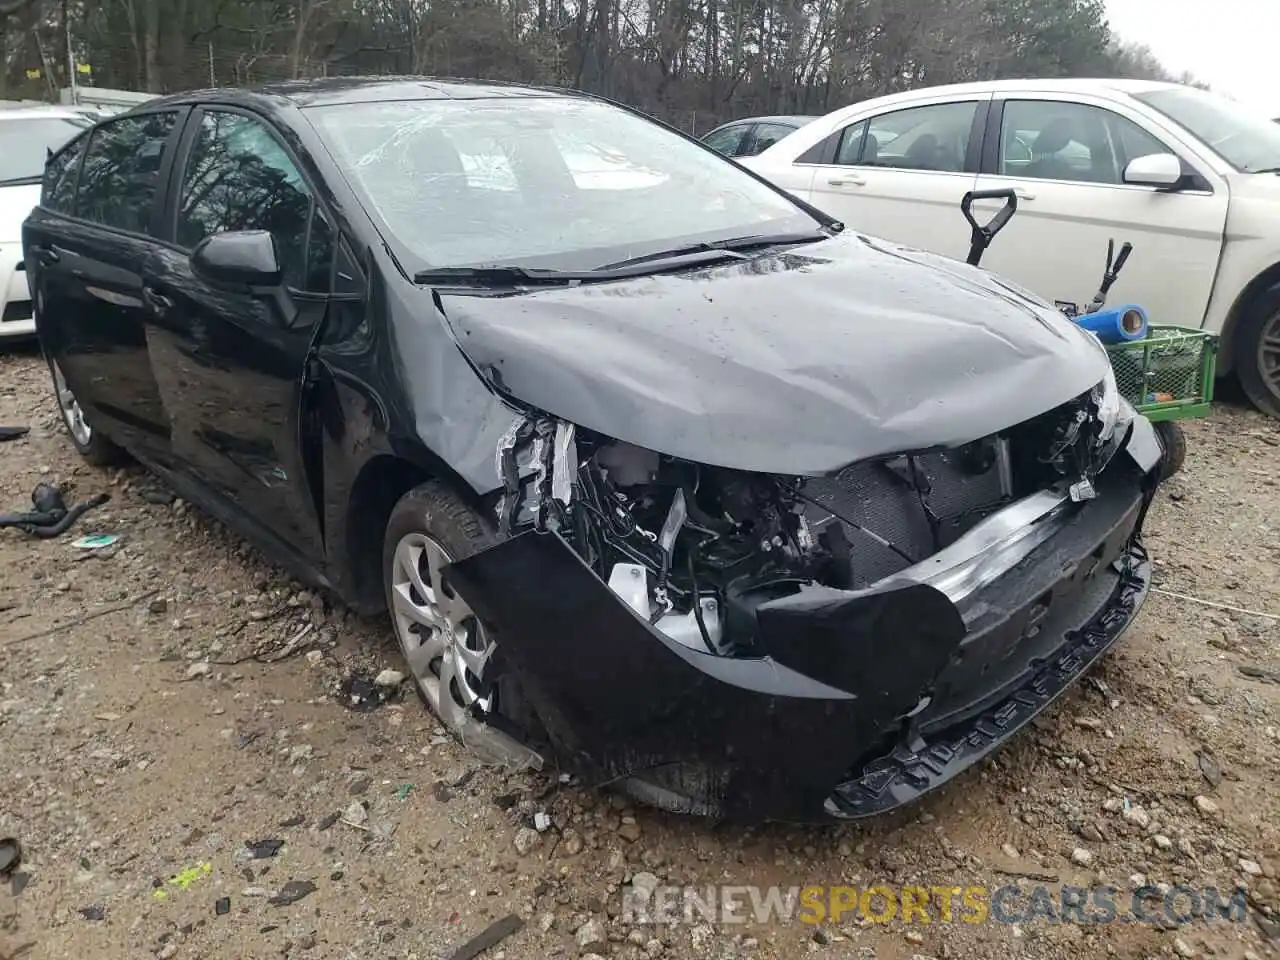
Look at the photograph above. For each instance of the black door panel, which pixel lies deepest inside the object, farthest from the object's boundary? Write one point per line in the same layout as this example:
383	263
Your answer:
90	267
108	352
230	364
232	375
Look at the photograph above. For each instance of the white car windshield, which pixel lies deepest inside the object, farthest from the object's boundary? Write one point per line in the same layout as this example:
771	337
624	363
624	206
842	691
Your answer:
25	143
1245	139
555	182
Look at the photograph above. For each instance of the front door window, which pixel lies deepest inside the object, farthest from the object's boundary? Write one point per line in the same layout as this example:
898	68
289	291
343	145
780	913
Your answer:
238	177
1059	140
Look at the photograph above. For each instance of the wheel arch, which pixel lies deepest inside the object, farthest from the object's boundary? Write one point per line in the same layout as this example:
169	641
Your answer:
1254	291
378	486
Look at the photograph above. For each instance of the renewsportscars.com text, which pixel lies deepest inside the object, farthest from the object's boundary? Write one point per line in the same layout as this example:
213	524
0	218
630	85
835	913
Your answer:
882	903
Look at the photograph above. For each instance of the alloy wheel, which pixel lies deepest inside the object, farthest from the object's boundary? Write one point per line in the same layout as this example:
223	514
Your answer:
72	414
1269	354
442	640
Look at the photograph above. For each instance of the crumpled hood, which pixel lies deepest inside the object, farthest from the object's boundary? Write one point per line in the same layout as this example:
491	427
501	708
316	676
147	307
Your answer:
797	363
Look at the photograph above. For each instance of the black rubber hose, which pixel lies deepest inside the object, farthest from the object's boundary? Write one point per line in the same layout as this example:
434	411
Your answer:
699	516
72	515
49	531
697	606
38	518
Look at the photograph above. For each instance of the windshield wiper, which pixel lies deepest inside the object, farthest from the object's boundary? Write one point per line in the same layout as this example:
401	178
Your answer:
510	275
501	276
1265	170
734	245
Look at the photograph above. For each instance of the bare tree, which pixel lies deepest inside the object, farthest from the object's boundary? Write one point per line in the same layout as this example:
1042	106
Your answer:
694	62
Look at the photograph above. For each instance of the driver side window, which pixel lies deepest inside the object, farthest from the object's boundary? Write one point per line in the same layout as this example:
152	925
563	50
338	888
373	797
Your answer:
238	177
1059	140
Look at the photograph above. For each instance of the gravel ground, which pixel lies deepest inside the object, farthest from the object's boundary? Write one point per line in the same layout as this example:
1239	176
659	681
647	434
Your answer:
145	749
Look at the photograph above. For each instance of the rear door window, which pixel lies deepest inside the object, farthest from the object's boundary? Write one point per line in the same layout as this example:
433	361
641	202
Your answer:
849	153
120	175
932	137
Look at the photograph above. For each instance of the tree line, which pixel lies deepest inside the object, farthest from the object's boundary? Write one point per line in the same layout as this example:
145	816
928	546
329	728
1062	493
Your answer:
691	62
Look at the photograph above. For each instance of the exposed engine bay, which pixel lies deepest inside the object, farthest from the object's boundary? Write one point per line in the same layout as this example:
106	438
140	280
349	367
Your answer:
695	549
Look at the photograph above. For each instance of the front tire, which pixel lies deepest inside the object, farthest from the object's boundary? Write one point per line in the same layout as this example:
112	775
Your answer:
447	649
89	443
1257	353
1174	439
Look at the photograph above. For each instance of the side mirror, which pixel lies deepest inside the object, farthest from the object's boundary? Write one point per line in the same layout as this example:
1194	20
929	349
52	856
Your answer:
1154	170
245	258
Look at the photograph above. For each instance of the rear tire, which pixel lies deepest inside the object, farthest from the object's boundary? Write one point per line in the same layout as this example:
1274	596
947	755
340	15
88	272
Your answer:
1174	439
89	443
1257	353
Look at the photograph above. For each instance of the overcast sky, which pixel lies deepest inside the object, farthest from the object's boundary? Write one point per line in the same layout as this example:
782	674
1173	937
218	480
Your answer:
1229	44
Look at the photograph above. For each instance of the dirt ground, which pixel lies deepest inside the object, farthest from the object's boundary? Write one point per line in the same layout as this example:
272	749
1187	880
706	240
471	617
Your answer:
143	749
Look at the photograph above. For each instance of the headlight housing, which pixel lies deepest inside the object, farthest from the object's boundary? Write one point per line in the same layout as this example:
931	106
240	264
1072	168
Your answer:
1115	413
1107	396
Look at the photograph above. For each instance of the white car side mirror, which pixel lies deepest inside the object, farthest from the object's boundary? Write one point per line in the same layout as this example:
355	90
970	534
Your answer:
1154	170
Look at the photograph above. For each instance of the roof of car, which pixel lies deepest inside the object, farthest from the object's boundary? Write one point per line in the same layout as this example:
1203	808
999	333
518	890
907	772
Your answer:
787	118
1073	84
333	90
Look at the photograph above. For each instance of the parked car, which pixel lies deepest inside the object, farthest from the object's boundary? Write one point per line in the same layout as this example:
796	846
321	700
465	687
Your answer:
662	473
27	134
1188	177
746	138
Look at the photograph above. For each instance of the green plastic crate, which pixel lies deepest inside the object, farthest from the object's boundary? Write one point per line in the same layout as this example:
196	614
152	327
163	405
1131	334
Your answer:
1168	375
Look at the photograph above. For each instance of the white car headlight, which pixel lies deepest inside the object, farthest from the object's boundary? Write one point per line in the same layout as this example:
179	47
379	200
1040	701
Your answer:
1115	414
1114	411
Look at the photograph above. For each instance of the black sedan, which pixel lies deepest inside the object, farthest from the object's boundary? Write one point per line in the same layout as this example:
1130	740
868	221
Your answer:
659	472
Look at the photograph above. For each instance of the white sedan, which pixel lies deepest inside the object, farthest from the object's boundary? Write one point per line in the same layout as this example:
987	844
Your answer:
27	134
1190	178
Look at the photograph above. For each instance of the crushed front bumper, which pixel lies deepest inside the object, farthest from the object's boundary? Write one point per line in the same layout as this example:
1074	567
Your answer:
865	700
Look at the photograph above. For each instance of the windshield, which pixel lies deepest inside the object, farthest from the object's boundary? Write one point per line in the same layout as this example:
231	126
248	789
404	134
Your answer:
25	143
542	181
1245	139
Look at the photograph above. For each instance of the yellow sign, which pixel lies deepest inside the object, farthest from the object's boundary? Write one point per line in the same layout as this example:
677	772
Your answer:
33	74
83	68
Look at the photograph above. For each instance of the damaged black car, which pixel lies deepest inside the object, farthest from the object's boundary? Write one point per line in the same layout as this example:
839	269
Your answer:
663	476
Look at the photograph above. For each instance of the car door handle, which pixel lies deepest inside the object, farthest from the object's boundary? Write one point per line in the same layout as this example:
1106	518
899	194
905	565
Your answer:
158	303
847	182
1023	194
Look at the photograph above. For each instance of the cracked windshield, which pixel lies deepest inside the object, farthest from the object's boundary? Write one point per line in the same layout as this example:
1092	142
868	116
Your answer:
550	182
